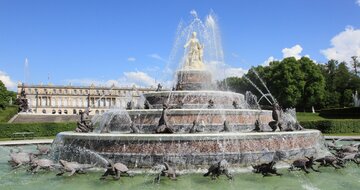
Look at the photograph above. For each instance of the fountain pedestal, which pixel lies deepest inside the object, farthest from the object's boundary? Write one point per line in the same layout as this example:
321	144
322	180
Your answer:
194	79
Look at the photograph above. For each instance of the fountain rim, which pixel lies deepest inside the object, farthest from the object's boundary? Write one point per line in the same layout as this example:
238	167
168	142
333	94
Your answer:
181	136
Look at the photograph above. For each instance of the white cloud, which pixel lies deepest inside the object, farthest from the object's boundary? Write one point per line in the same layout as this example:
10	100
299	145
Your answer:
5	78
139	78
235	72
358	2
131	59
292	52
158	57
344	45
270	59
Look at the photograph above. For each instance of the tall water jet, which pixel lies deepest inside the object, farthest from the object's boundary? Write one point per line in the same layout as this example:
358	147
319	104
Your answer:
356	99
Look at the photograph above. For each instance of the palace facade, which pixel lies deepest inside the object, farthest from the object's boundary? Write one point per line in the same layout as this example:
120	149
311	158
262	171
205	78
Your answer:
51	99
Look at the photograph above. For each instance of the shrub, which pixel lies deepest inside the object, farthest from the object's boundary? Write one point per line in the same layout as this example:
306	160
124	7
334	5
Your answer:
340	113
39	129
334	125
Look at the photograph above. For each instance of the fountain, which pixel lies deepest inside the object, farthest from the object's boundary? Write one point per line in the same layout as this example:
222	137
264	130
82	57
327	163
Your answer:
356	99
192	126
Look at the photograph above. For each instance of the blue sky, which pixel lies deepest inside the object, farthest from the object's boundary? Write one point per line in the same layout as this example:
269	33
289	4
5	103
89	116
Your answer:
125	42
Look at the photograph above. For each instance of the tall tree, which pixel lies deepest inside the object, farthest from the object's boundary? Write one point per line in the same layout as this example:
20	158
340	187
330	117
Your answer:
355	64
4	96
332	97
287	81
341	81
314	88
302	83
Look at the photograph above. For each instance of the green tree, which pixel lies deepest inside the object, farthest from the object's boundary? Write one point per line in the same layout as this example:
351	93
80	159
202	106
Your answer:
12	96
331	97
4	96
329	74
263	72
302	83
287	81
347	97
235	84
314	84
342	81
355	64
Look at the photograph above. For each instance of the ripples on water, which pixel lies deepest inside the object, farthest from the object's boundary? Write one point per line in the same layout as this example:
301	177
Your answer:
329	178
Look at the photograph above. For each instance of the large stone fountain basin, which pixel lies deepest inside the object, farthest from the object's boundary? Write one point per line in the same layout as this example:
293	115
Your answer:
190	151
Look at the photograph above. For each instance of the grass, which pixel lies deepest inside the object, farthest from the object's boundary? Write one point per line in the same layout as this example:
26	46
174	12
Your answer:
306	116
341	134
7	130
10	139
7	113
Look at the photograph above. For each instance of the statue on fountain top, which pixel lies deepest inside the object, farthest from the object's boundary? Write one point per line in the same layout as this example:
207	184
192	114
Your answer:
195	54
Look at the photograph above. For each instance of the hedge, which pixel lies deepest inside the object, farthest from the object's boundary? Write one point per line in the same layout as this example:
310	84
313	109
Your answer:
341	113
334	125
39	129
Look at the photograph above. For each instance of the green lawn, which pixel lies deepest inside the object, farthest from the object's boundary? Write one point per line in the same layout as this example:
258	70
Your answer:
341	134
10	139
305	116
7	113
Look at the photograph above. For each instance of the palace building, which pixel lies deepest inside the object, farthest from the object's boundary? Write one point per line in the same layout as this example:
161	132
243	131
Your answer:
67	100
